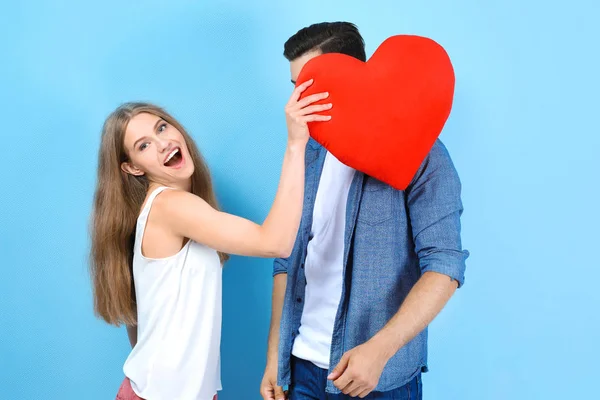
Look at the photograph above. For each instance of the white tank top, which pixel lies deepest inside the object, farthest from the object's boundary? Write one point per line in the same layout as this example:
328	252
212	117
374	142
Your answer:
177	355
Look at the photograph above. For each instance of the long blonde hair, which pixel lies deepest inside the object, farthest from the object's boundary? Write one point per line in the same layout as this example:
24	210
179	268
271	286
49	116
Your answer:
117	202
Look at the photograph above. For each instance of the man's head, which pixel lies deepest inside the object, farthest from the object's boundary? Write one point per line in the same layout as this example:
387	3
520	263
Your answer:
322	38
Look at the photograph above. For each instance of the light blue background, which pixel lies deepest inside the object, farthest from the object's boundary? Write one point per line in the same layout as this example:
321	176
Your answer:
523	134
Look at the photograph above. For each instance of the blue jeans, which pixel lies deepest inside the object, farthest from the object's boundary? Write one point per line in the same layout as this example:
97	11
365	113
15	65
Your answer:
308	383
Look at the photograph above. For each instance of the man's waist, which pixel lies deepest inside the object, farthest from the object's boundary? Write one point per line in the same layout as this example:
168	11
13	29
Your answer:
315	350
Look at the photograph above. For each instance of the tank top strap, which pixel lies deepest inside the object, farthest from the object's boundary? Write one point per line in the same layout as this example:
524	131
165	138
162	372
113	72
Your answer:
143	218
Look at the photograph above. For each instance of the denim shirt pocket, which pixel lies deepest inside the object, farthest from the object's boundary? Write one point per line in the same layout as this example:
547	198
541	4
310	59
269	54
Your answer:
376	202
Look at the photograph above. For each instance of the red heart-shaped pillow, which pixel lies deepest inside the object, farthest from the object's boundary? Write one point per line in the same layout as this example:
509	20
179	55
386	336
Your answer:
388	112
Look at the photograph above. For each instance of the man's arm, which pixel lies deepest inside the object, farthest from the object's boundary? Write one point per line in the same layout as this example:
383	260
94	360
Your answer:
279	285
435	207
423	303
359	370
268	387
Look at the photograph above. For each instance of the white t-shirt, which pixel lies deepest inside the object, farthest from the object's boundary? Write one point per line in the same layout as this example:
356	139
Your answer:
177	355
324	264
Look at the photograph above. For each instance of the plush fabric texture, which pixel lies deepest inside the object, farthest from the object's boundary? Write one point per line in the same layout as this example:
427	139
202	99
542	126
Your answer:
387	112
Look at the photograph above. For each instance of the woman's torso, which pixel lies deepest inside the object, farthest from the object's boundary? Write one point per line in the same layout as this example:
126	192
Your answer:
177	355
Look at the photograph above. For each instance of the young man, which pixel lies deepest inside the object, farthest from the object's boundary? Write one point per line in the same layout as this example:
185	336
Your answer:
371	267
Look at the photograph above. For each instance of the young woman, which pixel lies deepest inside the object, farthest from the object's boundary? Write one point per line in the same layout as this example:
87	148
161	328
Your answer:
159	242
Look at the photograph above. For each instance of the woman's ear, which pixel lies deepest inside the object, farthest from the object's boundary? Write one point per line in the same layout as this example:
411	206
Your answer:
131	169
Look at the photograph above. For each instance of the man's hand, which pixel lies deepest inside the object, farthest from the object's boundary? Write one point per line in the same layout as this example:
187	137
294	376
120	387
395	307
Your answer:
268	387
359	370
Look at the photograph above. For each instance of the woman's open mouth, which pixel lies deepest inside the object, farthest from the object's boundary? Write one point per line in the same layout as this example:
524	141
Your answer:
174	159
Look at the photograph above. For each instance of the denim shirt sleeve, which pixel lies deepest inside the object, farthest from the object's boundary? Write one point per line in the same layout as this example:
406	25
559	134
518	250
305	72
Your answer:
280	265
435	206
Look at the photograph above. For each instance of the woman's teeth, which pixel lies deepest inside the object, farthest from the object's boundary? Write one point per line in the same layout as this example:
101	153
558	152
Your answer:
171	155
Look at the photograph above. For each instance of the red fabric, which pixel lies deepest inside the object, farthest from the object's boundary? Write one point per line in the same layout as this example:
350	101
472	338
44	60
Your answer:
127	393
387	112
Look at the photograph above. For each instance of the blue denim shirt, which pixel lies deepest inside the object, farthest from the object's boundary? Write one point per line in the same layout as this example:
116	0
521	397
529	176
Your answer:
391	238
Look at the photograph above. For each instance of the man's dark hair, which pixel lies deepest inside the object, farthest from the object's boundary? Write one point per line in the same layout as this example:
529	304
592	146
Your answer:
329	37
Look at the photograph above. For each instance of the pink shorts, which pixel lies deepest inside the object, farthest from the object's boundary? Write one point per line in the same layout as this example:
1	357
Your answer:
127	393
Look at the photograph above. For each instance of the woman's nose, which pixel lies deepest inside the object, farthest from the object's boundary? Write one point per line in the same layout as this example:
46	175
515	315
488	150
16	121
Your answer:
164	145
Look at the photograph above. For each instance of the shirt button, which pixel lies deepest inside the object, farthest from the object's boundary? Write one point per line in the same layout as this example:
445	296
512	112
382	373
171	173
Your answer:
299	299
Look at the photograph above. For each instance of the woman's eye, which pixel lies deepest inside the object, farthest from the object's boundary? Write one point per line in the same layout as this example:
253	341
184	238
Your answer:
162	127
143	146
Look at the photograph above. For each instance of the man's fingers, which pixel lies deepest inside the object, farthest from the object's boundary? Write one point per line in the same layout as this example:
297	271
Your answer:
348	388
356	391
279	395
343	364
267	392
343	381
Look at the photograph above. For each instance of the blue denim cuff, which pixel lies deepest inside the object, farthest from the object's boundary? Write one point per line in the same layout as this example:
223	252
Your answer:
447	262
279	267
